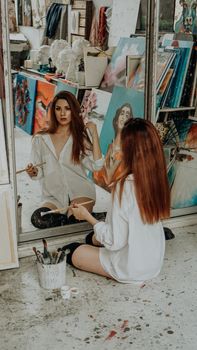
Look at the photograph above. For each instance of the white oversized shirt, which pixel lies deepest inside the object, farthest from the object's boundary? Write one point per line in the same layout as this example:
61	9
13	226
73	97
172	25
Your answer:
133	251
61	179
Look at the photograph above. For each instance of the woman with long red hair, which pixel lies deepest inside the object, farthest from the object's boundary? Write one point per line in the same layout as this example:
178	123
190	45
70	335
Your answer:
66	154
129	246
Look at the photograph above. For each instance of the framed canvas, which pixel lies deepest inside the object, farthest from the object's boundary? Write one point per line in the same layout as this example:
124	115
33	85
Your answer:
94	106
4	178
25	93
120	97
44	95
115	73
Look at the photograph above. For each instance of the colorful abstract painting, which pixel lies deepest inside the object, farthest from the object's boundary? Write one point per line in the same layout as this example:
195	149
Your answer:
24	102
120	96
181	141
185	18
94	107
115	73
44	95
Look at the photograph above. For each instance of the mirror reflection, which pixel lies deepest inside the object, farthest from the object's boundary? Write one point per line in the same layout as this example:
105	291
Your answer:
74	88
67	115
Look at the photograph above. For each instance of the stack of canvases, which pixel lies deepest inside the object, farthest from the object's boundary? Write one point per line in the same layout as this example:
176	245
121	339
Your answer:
32	99
175	81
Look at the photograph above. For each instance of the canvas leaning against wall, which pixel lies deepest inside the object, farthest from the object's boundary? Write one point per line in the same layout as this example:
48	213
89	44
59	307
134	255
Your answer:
115	73
179	137
94	107
44	95
120	96
24	102
63	86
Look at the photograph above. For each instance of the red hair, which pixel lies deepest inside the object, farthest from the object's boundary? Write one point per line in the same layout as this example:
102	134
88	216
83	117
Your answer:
77	127
143	157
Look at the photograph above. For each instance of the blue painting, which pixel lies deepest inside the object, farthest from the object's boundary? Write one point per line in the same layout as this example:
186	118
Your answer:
182	167
120	97
25	102
61	86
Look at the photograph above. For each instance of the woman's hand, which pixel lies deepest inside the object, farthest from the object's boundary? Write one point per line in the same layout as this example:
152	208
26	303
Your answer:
31	170
81	213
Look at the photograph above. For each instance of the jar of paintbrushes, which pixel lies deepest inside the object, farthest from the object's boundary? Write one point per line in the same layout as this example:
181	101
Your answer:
51	267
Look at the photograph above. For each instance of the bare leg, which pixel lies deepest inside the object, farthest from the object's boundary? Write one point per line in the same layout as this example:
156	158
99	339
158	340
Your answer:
49	205
86	258
82	200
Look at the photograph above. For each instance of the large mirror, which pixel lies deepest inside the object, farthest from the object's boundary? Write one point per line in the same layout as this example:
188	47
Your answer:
109	81
106	99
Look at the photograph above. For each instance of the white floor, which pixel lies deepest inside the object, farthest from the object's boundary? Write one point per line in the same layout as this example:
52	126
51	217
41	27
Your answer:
104	315
29	190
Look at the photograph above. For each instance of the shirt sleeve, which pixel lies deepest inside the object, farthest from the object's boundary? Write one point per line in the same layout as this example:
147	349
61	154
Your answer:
36	156
113	233
91	164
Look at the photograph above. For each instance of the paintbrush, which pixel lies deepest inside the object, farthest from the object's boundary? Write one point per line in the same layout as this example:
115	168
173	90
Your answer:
38	255
65	208
25	169
46	255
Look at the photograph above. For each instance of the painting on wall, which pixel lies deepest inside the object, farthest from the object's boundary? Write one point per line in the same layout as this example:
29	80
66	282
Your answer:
115	73
24	102
94	107
120	97
44	95
185	18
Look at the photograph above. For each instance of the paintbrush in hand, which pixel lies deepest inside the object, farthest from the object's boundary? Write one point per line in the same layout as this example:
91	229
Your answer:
25	169
65	208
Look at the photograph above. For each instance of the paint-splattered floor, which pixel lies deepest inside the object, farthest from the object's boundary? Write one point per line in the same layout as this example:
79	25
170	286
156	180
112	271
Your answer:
105	314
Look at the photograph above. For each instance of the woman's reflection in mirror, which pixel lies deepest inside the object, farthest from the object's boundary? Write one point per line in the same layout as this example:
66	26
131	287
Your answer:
68	155
113	157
